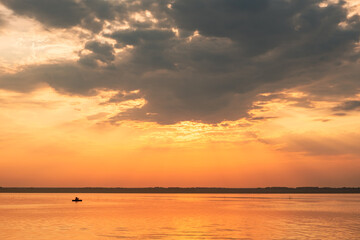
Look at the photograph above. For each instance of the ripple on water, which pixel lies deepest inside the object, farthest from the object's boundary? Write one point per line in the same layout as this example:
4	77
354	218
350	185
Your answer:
179	217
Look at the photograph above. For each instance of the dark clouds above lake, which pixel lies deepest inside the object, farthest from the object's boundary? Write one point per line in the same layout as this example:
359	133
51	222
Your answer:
202	60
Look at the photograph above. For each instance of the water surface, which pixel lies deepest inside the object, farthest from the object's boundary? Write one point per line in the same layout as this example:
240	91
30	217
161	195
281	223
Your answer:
28	216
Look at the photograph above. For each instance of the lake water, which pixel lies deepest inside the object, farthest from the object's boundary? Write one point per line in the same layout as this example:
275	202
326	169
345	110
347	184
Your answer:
179	216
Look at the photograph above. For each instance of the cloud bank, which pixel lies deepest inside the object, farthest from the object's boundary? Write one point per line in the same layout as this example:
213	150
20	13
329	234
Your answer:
200	60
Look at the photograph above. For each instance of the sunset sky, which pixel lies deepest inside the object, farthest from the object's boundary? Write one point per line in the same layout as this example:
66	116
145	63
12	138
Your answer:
188	93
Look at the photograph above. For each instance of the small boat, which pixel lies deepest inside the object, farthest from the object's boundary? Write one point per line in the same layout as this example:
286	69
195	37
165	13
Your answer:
77	200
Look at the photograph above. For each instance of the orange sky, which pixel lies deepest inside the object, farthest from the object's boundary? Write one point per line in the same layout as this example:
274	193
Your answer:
53	138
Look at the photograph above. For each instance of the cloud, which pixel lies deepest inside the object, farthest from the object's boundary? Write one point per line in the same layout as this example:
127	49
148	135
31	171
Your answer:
348	106
343	144
102	52
136	37
68	78
150	46
97	116
122	97
62	14
2	21
299	27
89	14
341	114
201	60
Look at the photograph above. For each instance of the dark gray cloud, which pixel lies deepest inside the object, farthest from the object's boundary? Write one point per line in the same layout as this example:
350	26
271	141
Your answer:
65	78
64	13
300	27
340	114
348	106
2	21
102	52
137	37
89	14
242	48
151	50
122	97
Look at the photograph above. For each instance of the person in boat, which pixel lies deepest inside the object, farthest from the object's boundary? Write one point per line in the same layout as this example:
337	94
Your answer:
77	199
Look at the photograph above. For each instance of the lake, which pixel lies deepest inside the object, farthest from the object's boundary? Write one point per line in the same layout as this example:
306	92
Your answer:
29	216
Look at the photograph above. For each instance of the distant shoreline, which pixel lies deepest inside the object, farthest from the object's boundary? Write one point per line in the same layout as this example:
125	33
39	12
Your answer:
267	190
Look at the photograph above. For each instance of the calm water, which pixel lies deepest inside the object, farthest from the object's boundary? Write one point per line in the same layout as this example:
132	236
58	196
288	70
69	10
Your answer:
179	216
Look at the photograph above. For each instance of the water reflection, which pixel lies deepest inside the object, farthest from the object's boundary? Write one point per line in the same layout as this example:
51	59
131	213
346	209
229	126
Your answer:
179	216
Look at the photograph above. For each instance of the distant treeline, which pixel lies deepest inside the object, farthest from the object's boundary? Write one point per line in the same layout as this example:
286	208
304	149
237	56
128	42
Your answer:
182	190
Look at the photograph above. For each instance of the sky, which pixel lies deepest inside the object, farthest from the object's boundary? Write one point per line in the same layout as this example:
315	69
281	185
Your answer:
185	93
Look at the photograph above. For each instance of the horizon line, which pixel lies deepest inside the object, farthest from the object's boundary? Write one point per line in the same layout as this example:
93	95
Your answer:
200	190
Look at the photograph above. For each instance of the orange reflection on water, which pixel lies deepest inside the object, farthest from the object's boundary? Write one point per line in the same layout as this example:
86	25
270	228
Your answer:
179	216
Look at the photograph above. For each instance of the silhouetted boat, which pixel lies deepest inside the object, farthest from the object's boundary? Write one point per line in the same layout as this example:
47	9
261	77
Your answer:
77	200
